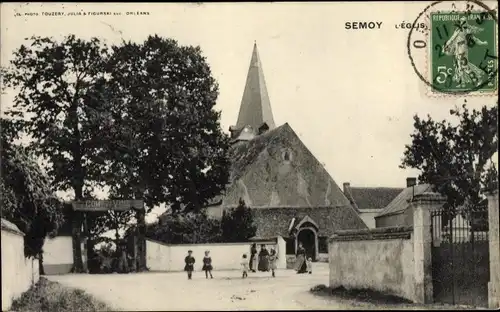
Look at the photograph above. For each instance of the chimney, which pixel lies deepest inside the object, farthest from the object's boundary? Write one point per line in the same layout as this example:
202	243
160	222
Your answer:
411	182
347	187
234	132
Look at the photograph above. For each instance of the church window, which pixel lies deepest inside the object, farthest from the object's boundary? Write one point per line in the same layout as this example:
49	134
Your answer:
287	155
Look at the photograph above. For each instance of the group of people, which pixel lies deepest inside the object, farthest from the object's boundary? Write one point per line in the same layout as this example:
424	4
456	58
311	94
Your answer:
190	260
264	261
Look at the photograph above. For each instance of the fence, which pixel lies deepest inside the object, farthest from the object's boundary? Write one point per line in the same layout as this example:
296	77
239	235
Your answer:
18	272
460	256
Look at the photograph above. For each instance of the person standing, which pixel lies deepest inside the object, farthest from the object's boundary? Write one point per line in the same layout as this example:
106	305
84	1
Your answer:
300	260
309	265
273	257
253	258
263	259
244	266
189	267
207	264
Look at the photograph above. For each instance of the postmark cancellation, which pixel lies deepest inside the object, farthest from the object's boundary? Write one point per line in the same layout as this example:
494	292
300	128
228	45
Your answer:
457	54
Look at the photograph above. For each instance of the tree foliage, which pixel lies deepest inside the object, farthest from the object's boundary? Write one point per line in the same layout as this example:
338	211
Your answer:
138	118
54	108
53	105
456	158
237	224
165	143
27	200
185	228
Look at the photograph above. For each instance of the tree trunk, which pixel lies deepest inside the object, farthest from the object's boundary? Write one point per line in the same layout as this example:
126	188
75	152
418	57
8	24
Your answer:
91	256
141	231
41	271
141	241
76	242
77	183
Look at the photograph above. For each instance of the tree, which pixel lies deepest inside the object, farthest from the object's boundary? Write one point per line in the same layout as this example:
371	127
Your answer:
456	158
185	228
165	140
55	110
27	199
237	225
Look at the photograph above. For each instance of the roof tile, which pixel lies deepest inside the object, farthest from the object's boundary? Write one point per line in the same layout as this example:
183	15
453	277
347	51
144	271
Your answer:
374	197
275	221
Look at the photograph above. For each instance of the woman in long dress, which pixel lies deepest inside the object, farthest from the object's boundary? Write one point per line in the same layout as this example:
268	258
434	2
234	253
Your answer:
300	260
253	258
263	259
458	46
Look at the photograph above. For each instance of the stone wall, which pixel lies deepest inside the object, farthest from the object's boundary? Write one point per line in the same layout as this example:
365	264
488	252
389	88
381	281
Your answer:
58	255
494	250
225	256
18	272
323	257
376	259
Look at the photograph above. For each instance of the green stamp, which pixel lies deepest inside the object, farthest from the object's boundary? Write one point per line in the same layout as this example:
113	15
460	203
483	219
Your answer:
463	55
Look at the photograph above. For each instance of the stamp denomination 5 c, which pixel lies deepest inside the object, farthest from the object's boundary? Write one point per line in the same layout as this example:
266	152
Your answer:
464	55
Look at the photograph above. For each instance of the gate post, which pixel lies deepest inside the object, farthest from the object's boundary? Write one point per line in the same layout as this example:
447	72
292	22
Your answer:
494	239
423	205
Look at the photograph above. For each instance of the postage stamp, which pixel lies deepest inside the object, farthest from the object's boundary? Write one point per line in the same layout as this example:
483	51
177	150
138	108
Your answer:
463	53
456	53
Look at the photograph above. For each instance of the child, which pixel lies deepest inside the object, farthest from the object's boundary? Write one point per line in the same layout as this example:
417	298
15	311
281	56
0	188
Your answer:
273	257
244	265
309	265
207	264
189	267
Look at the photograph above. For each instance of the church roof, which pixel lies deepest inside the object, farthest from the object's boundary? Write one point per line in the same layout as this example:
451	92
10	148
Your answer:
257	178
244	154
373	197
255	106
276	221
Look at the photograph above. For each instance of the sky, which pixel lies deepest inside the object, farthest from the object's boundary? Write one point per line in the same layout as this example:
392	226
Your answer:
349	94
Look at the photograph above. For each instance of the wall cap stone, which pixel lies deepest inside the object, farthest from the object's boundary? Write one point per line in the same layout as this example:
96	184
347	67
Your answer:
11	227
429	197
491	192
211	244
392	232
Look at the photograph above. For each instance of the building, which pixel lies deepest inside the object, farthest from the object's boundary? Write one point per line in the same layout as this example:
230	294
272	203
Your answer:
370	201
398	212
290	192
463	225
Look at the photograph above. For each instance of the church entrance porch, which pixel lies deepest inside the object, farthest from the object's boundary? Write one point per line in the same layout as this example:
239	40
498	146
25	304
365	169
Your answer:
309	240
307	233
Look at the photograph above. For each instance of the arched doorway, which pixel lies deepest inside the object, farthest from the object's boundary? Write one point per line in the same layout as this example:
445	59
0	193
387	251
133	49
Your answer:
308	237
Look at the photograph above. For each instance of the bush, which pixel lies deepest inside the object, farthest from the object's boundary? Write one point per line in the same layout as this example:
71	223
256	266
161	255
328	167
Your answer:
185	228
237	225
53	297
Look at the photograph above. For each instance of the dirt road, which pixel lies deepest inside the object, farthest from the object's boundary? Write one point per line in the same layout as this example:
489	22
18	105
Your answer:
227	291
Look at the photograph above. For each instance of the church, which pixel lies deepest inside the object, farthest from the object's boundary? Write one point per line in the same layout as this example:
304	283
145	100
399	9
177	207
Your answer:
289	191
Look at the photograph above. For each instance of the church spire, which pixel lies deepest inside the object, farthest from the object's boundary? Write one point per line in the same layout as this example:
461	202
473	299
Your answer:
255	108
